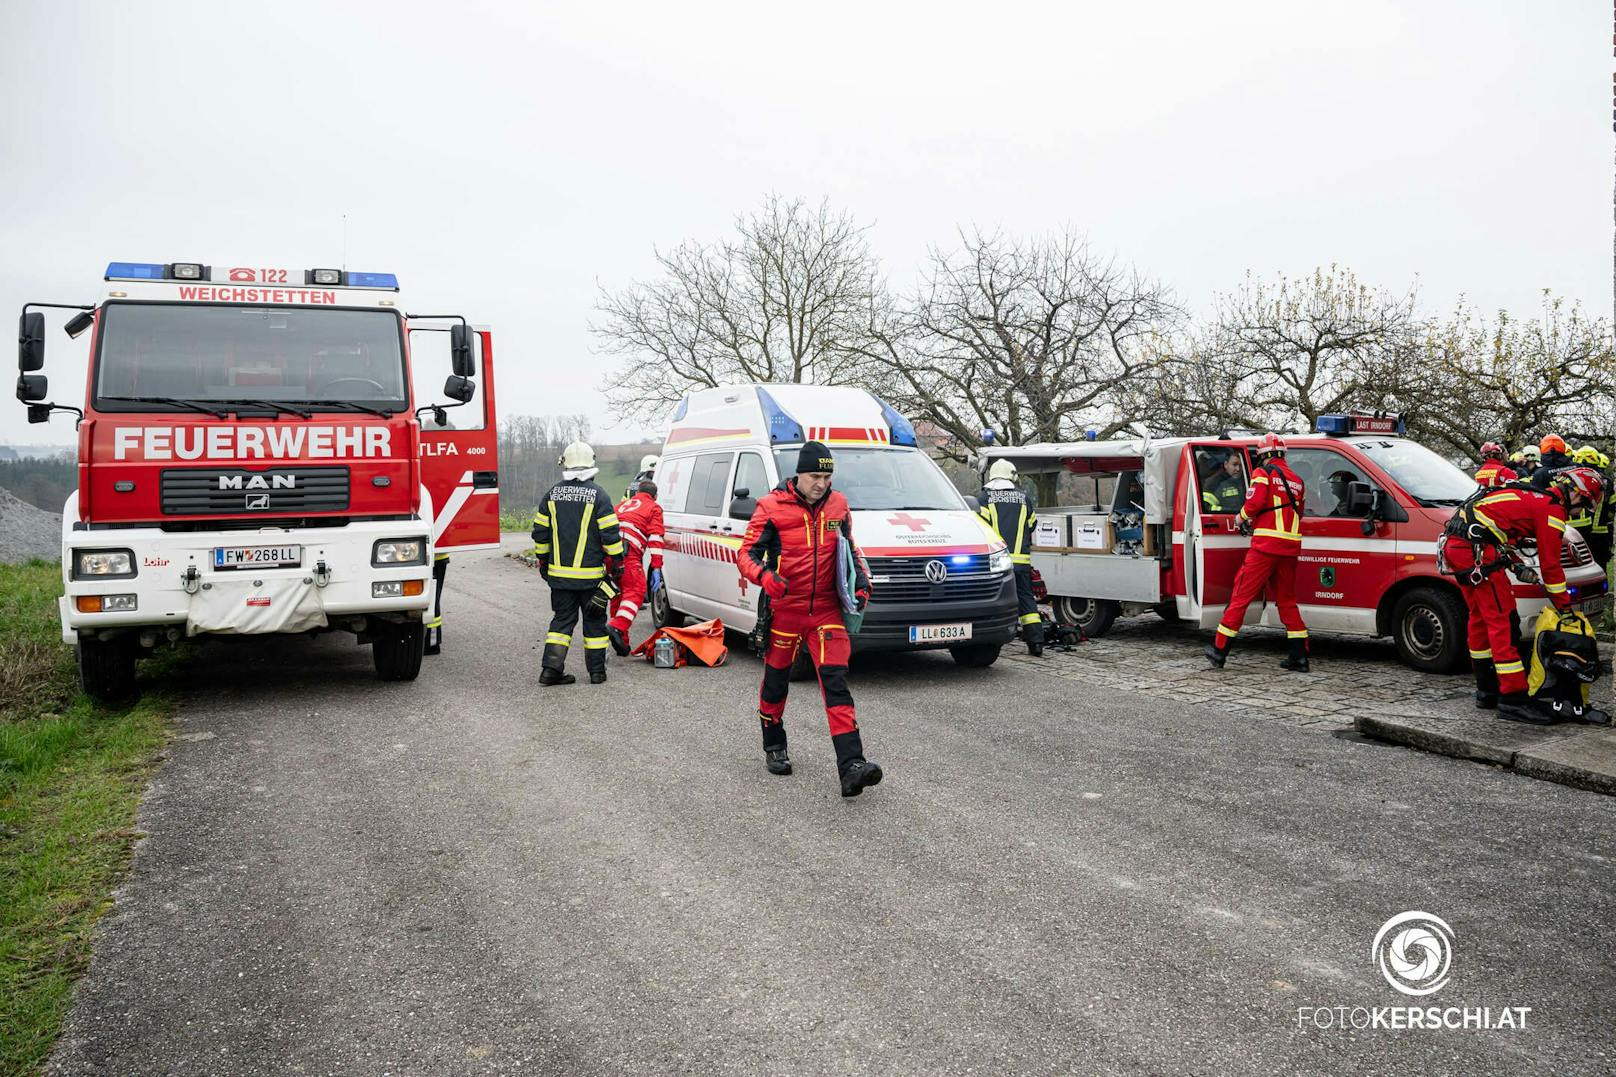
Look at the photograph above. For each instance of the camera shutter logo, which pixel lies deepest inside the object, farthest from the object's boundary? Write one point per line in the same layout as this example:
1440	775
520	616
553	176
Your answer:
1414	951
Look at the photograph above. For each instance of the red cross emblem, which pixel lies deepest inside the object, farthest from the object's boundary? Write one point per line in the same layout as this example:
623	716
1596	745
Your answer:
913	523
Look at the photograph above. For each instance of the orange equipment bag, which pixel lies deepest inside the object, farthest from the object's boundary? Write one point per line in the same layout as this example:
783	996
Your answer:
702	643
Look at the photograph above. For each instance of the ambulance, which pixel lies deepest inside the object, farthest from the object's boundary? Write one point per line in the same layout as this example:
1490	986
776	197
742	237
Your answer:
1149	524
252	460
940	577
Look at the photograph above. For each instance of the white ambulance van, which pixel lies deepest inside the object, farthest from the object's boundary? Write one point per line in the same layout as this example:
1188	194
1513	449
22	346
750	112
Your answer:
939	575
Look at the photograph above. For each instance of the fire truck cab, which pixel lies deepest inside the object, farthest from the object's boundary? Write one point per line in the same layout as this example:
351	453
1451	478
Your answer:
1150	524
252	459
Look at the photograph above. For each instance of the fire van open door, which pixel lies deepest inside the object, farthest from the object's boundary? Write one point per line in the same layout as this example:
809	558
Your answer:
460	457
1213	543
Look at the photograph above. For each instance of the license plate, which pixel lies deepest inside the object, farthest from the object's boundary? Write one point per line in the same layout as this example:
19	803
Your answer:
257	556
939	633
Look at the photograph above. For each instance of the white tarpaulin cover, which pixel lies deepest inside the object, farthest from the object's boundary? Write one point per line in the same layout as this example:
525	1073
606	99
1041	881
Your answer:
237	606
1157	460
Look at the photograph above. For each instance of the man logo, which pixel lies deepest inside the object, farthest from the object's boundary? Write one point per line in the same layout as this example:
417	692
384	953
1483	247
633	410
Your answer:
1414	951
936	571
257	501
257	482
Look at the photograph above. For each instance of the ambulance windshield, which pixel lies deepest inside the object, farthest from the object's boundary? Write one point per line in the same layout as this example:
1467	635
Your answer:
295	355
885	479
1422	474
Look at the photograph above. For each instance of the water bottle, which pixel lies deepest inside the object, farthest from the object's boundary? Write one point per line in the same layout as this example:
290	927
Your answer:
664	653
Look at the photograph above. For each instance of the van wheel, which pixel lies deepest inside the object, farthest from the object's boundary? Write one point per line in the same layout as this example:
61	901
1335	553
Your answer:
107	669
662	612
1092	615
1428	625
397	651
976	656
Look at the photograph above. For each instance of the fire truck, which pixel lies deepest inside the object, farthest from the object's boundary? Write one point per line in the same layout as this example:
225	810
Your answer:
254	459
1149	525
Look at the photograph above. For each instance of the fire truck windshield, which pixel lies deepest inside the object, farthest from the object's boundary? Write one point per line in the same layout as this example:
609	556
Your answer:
1424	475
884	479
187	355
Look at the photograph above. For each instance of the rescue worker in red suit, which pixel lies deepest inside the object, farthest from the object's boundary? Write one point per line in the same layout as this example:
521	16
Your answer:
1494	471
639	518
790	552
1481	543
1272	515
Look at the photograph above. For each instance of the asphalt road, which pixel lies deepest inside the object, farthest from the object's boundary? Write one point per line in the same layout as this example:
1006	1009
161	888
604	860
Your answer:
474	874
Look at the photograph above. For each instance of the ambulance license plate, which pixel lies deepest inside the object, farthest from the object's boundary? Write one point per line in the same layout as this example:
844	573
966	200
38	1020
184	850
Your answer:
225	557
939	633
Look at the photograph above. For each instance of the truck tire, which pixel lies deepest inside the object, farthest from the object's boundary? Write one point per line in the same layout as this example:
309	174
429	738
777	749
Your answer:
397	651
976	655
1428	625
107	669
1092	615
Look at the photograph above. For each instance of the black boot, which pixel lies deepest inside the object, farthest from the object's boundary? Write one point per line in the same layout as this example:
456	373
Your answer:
856	771
1217	655
597	676
1486	684
619	640
1033	635
777	761
548	676
1519	707
1296	661
774	745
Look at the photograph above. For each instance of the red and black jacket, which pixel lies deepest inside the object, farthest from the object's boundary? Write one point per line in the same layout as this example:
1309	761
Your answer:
798	541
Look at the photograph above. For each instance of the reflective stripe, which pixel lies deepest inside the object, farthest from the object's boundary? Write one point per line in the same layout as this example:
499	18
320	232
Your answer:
1300	634
1021	559
441	557
567	572
436	622
628	609
1269	532
583	535
608	520
1225	630
613	549
596	643
559	639
1557	523
1481	654
1509	667
1554	588
541	550
1030	618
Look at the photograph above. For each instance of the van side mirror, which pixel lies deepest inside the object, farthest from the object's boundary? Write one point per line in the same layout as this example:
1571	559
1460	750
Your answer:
742	505
459	387
31	343
460	352
1360	499
973	503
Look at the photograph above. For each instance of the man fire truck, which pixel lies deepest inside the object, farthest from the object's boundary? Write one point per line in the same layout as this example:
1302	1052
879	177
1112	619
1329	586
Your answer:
251	462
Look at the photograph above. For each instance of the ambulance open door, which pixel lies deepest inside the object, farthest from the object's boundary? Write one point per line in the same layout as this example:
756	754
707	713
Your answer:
459	456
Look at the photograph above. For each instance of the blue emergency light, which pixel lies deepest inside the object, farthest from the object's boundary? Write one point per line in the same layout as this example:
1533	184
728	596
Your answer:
137	271
1342	425
903	432
961	559
372	280
782	427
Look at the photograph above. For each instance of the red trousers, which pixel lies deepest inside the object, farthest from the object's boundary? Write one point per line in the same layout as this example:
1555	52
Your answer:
828	647
1490	631
1277	572
627	604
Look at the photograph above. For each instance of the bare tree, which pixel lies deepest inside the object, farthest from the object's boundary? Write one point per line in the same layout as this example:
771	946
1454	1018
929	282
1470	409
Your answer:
783	300
529	453
1029	338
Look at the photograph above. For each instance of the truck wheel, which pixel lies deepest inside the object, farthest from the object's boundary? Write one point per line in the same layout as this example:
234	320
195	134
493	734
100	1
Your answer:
107	669
1092	615
397	652
976	656
1428	625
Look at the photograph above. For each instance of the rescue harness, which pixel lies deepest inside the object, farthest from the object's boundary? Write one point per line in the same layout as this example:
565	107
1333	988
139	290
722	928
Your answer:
1467	524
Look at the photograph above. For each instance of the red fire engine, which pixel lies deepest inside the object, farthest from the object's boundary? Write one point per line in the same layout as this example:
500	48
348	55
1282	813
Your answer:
252	460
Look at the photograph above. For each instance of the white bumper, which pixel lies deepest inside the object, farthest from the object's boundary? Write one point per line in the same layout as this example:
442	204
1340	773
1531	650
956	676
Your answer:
242	601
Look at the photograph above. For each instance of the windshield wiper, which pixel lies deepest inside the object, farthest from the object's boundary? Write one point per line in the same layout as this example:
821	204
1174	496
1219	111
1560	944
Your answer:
349	404
173	401
276	405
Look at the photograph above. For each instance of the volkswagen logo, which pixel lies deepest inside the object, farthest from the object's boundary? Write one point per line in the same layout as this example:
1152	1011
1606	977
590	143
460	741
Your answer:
936	571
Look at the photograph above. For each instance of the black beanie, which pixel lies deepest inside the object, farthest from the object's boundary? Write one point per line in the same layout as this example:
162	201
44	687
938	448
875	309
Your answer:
814	457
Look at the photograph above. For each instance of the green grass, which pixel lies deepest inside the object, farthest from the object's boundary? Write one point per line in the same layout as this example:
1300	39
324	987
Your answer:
71	776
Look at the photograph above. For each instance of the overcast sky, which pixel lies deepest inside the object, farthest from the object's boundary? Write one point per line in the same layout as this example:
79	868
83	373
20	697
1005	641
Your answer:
505	163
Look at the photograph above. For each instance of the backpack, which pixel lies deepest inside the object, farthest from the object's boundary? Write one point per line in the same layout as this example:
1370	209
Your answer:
1565	661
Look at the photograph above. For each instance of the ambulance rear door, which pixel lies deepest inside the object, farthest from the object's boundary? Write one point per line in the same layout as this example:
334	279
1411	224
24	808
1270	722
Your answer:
460	458
1216	479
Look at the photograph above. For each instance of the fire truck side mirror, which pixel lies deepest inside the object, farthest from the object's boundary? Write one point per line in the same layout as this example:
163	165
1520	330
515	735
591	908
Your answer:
459	388
31	343
460	352
32	387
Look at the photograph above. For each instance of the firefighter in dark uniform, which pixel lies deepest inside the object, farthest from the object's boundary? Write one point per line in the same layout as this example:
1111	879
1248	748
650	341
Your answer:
1006	509
1225	489
580	552
434	624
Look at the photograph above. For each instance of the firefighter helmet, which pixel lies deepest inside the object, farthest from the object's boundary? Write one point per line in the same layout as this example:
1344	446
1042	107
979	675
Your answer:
1583	482
1492	451
1530	453
1002	469
1587	455
648	463
577	456
1552	443
1270	445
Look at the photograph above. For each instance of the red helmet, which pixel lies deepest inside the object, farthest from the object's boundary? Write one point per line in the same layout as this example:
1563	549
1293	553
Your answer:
1492	451
1581	480
1270	444
1551	443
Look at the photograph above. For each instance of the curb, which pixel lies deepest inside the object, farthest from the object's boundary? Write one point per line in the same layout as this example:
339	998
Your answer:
1583	757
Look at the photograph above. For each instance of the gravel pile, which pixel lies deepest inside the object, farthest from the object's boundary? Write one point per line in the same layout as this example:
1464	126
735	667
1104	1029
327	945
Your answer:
28	532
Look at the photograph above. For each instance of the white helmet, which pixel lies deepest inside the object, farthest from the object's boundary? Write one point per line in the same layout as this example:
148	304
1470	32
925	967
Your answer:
577	456
1002	469
649	462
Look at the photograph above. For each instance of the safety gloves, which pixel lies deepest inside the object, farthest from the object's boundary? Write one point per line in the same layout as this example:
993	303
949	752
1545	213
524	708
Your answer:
774	584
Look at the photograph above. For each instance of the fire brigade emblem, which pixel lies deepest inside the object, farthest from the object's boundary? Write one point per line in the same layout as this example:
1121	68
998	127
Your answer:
1326	577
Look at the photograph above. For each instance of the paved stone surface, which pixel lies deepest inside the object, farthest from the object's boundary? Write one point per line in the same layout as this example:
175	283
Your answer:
473	874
